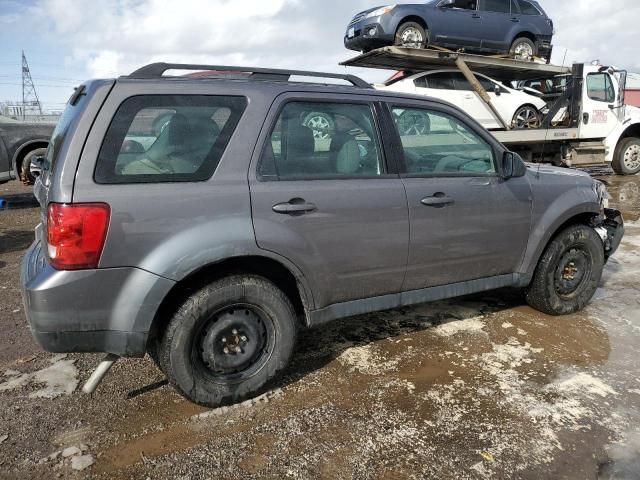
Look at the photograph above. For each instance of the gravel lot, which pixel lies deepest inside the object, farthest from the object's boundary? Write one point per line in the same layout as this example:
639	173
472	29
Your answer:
479	387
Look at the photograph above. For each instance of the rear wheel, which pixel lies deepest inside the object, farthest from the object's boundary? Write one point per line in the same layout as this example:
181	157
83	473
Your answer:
228	340
627	157
26	175
524	48
568	273
411	35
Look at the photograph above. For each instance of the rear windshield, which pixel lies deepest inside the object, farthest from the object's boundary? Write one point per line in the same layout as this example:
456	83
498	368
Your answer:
62	129
167	138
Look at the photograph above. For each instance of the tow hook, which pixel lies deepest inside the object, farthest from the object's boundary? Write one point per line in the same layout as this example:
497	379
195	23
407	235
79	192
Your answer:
99	373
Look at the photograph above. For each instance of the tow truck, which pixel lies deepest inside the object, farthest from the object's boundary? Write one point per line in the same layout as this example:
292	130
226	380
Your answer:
588	125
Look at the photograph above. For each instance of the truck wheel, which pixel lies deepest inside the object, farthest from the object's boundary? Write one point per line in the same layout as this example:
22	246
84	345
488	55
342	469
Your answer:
524	48
228	340
411	35
25	168
568	273
627	157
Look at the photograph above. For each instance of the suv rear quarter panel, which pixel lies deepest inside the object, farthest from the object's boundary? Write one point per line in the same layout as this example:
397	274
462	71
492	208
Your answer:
174	229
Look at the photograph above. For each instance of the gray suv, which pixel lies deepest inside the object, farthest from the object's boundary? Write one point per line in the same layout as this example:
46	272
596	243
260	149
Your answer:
205	220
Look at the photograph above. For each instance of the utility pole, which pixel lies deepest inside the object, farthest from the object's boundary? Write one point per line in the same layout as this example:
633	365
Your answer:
29	95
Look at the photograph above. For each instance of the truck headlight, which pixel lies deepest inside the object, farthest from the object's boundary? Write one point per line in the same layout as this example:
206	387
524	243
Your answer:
380	11
603	195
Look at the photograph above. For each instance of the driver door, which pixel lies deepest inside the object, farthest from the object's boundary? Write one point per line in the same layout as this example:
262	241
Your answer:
456	24
459	206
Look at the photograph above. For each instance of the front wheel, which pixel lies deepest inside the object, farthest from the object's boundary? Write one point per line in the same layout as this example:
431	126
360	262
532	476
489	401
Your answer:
411	35
524	49
228	340
627	157
526	116
568	273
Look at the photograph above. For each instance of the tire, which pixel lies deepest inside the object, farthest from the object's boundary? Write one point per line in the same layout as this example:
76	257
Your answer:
228	340
25	167
568	273
524	49
413	122
626	160
153	350
411	35
527	116
321	124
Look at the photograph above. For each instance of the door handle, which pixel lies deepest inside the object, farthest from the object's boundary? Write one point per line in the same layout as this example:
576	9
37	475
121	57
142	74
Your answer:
437	201
515	20
294	206
475	15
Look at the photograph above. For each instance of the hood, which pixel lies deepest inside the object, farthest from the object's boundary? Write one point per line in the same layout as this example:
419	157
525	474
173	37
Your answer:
553	174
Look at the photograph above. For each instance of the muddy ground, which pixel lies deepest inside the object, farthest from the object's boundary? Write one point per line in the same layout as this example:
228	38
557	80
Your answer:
479	387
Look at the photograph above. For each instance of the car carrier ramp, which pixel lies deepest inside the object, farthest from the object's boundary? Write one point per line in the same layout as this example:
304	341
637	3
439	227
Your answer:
419	60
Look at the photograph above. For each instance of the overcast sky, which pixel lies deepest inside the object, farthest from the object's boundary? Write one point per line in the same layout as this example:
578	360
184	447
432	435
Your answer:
67	41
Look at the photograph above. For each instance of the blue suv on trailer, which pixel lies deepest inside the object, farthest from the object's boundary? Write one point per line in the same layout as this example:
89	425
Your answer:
518	27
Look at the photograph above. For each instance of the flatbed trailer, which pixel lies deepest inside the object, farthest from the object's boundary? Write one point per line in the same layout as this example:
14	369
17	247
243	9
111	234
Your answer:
586	126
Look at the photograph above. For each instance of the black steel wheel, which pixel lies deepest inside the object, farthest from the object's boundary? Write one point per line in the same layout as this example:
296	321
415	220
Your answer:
228	340
568	272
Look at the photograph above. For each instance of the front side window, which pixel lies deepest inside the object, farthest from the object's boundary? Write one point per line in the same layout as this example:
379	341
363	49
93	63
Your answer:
528	8
438	144
500	6
167	138
322	140
463	4
600	87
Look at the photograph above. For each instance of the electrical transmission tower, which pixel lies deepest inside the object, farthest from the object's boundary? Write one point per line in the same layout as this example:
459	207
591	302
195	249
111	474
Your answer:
30	100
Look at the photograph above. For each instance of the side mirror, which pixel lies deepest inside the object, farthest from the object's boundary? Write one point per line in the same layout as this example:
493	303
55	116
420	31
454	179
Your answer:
512	166
447	3
497	90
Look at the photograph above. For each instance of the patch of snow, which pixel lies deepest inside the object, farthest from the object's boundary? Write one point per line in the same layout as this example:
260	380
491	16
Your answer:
70	452
583	383
82	462
60	378
364	360
453	327
507	325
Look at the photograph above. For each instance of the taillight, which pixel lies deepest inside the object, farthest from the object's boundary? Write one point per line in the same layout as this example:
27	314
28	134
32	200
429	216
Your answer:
76	234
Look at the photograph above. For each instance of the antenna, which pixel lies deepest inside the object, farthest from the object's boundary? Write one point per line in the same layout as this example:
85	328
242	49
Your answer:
30	98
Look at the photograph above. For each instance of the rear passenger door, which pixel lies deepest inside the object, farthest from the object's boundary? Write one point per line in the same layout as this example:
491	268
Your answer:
323	196
466	222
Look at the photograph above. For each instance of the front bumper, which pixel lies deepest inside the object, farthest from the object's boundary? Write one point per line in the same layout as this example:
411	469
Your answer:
613	225
368	34
103	310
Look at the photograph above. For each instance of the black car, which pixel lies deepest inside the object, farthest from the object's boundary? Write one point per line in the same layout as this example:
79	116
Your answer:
20	144
518	27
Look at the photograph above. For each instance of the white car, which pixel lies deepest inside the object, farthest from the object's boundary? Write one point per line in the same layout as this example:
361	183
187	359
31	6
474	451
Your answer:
517	108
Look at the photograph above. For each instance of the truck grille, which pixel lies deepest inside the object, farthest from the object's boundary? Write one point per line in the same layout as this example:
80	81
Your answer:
357	18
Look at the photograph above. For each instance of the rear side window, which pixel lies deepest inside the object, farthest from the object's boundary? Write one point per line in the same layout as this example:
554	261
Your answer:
167	138
322	140
528	8
440	81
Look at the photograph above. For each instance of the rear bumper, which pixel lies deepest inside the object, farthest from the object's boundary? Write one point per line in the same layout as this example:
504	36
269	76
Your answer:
103	310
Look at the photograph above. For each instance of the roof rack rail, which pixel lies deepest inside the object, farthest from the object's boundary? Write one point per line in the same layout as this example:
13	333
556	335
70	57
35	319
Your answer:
156	70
